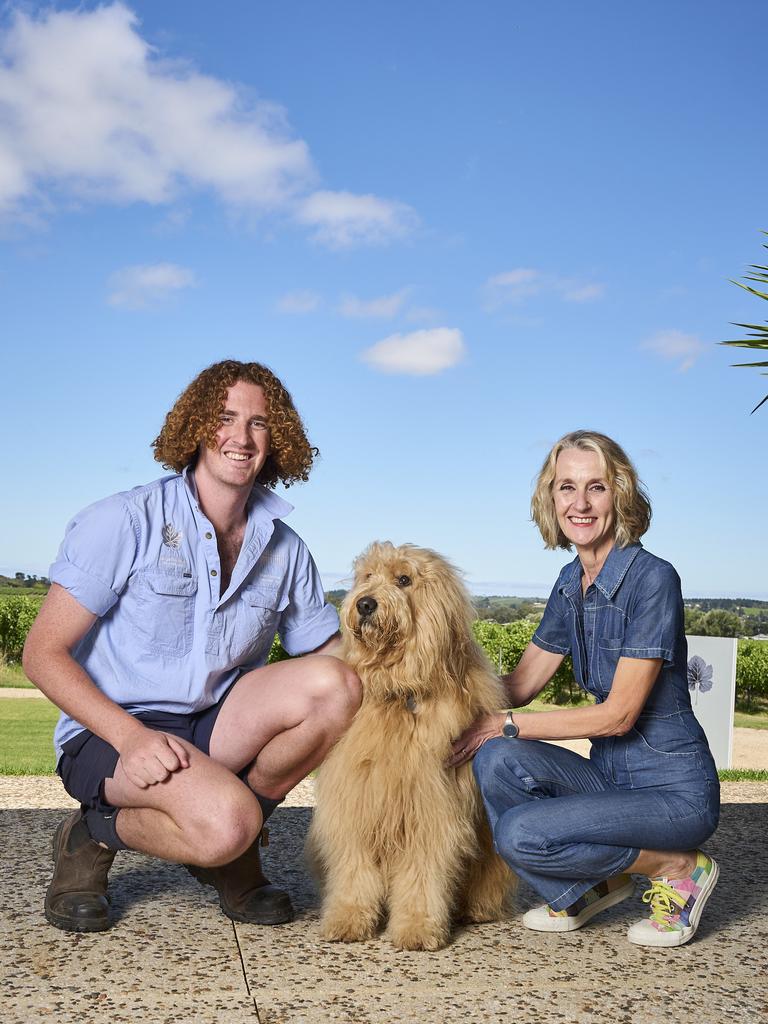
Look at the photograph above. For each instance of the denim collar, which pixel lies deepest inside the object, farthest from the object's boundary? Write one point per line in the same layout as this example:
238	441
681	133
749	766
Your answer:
610	576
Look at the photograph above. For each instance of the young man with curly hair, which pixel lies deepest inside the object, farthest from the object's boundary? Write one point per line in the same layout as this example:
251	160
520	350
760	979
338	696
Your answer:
176	736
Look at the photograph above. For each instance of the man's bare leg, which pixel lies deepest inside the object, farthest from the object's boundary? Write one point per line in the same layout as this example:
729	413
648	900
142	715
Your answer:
283	719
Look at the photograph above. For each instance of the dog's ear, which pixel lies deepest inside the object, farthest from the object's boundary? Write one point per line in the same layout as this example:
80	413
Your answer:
444	616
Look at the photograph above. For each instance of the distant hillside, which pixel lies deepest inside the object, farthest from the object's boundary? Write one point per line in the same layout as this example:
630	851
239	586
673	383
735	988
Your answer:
704	616
23	583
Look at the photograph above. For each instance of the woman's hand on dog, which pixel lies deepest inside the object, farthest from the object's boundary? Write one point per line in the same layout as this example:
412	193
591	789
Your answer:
470	741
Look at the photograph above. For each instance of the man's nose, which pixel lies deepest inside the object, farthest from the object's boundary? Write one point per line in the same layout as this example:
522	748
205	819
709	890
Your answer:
366	606
240	434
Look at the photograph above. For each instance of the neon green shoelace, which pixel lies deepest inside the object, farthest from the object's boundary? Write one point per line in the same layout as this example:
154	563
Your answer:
664	899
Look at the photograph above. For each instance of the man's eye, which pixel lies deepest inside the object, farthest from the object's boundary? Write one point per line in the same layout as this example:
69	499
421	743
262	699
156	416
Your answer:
259	425
403	581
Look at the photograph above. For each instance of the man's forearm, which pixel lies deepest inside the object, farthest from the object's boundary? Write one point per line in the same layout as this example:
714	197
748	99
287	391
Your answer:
70	688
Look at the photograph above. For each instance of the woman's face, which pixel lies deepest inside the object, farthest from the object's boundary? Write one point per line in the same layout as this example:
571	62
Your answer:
583	500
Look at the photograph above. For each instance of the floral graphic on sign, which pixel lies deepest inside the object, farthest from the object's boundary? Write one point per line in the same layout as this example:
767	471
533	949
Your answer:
700	676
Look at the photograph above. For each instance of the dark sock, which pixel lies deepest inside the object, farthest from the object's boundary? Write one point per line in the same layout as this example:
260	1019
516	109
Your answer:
102	827
267	804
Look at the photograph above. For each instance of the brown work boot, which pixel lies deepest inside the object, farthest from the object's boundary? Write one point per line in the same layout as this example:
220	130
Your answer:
77	900
244	893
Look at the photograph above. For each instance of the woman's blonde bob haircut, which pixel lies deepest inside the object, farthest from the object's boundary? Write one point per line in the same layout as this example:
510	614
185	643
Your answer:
194	420
631	505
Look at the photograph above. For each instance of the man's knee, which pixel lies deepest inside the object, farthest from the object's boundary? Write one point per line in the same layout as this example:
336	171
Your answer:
228	830
334	691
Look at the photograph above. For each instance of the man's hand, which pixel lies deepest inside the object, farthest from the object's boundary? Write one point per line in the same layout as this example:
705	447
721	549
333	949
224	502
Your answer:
149	757
470	741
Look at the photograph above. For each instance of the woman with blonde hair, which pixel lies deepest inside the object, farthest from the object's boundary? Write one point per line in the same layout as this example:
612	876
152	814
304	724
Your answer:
648	796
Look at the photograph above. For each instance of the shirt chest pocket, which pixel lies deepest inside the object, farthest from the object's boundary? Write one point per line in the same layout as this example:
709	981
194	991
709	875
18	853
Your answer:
166	616
257	617
608	654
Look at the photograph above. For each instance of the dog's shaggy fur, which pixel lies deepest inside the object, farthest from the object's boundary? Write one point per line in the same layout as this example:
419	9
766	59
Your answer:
394	830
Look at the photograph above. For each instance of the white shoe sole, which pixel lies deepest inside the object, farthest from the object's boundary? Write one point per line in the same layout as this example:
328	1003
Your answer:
538	919
644	934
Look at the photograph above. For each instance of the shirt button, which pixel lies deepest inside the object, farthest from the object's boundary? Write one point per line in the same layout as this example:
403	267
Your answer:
214	573
208	536
589	632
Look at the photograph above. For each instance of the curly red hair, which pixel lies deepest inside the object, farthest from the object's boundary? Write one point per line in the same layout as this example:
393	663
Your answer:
194	419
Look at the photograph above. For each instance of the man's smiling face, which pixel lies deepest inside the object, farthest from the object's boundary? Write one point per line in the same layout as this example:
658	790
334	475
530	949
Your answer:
242	440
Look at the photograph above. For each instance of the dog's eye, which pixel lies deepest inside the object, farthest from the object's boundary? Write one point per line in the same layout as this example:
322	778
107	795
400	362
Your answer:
403	581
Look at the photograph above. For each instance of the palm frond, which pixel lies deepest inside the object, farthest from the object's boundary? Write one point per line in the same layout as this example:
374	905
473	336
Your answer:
758	336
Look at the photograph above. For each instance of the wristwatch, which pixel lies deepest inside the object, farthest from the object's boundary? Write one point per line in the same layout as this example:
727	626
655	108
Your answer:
509	729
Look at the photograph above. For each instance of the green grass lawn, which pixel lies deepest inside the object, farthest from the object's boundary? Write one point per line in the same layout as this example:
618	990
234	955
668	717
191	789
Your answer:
11	675
26	731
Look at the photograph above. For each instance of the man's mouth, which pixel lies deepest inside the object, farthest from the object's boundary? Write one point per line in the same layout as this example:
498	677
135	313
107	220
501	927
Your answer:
237	456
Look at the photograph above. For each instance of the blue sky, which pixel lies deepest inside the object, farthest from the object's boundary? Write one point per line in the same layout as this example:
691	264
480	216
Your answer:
456	231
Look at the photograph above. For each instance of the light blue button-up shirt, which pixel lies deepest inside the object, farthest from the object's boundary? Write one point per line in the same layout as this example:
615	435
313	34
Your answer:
147	563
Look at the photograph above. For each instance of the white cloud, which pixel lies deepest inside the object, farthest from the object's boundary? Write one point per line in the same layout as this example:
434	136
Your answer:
573	291
423	315
515	286
386	306
299	302
146	286
341	220
91	112
512	286
419	353
676	346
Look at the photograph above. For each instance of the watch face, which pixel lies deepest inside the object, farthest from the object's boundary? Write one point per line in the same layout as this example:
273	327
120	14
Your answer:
509	729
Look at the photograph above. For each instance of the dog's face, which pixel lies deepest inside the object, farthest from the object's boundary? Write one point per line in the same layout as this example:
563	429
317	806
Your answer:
406	602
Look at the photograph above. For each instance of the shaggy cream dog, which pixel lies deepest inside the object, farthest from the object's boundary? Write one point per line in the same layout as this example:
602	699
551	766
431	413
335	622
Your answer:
395	832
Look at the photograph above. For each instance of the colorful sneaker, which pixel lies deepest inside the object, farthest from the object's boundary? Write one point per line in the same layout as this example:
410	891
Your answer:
600	897
676	906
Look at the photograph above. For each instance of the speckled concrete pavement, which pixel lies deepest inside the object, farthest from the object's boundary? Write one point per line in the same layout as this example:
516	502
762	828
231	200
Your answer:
173	957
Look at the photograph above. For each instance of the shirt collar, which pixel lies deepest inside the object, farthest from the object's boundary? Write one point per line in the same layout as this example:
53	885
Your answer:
262	502
610	576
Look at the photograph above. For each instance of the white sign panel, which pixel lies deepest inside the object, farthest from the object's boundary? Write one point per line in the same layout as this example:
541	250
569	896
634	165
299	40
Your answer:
712	685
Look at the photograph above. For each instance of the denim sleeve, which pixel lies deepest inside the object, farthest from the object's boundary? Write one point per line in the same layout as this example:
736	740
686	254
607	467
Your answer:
97	554
656	619
308	621
552	633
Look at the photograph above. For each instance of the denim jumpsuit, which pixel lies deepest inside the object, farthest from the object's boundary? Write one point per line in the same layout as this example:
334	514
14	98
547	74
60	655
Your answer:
564	822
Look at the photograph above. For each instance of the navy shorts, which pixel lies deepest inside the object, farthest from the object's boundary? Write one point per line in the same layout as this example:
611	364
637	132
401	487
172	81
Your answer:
87	760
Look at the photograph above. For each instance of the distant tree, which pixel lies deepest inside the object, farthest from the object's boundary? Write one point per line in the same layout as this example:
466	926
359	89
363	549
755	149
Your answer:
757	339
694	622
719	622
751	672
504	645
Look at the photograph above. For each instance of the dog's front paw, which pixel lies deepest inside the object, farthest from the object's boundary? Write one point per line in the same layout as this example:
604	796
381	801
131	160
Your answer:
347	924
417	935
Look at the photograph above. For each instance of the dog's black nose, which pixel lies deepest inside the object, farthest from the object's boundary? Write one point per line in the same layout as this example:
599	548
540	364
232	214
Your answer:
366	606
